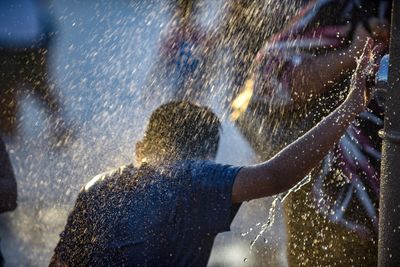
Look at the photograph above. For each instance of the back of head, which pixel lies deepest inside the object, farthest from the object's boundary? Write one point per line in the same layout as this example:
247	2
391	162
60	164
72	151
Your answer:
180	130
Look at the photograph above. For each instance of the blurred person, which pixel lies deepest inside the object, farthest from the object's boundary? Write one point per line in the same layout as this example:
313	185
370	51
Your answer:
167	210
192	58
26	33
8	186
180	70
300	75
245	26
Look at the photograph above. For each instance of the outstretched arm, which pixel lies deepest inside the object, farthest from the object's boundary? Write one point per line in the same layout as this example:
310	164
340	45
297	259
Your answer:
295	161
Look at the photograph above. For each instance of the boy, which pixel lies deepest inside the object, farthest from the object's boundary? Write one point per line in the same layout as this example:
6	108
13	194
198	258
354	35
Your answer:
168	209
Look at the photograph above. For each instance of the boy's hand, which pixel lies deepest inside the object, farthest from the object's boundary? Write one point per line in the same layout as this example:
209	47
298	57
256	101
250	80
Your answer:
359	94
360	37
378	30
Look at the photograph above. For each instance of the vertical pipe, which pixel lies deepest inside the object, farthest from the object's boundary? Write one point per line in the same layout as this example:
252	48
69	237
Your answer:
389	216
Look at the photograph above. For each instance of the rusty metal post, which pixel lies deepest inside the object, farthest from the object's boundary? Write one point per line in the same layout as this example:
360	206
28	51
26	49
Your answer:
389	216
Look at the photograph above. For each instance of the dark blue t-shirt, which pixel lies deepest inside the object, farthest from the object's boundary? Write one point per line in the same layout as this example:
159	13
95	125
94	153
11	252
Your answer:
167	216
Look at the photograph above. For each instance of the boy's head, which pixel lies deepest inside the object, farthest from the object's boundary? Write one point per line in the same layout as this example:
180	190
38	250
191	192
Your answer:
179	130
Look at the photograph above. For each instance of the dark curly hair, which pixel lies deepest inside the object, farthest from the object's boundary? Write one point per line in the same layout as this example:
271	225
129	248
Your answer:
180	130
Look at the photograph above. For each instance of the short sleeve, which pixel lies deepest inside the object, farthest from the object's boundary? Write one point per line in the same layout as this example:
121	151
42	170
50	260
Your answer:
211	192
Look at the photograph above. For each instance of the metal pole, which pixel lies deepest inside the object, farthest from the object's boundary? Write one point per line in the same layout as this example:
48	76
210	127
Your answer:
389	216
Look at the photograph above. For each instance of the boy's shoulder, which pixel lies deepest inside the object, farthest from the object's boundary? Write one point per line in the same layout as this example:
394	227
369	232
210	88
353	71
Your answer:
125	171
186	171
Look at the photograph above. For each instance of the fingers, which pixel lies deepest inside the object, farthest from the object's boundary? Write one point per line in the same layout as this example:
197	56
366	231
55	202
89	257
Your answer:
376	55
365	58
360	74
360	37
369	44
378	29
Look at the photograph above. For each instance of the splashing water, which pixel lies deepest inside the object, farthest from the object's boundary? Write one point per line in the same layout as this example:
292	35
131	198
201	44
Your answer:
103	54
